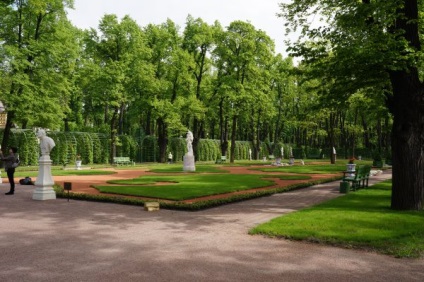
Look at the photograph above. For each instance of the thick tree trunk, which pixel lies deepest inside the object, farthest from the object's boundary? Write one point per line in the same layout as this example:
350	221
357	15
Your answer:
197	129
233	140
6	132
113	136
162	140
223	129
407	106
408	141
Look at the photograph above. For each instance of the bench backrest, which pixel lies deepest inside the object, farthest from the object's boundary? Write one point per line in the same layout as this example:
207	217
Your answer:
364	171
121	159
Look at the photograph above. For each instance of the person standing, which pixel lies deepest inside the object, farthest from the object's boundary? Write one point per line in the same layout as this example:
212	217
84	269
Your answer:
9	162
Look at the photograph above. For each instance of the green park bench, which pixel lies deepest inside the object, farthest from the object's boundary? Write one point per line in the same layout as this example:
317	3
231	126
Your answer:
221	160
122	161
360	177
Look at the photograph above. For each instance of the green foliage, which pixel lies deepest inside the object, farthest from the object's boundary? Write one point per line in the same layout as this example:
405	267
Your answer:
207	150
123	78
299	153
177	146
149	149
313	153
28	148
128	147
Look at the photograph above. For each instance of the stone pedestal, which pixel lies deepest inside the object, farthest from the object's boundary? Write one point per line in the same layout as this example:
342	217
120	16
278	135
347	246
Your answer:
44	183
78	165
189	163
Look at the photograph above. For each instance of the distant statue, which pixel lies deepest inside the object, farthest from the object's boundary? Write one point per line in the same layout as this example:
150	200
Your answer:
189	141
250	154
282	152
46	143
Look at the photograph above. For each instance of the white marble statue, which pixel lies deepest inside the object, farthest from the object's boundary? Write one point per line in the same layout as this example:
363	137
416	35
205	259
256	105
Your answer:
46	143
188	159
282	152
44	183
250	154
189	141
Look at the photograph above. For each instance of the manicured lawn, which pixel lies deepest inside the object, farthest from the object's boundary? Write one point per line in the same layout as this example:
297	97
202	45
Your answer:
359	220
32	173
307	169
290	177
182	187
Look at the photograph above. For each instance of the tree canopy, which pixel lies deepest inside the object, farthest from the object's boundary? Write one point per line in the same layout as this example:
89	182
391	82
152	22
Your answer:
373	47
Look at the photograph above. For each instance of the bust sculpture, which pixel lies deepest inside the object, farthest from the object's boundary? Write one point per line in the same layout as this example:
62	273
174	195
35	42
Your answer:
46	143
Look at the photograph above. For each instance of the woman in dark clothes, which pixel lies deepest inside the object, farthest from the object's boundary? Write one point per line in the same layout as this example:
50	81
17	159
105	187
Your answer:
9	162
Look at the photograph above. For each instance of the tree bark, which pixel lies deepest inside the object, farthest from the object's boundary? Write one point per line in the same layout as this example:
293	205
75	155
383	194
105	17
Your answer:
233	139
407	141
407	106
162	139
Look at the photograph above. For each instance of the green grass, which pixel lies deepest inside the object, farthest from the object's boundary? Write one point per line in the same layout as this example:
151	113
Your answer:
357	220
176	168
183	187
289	177
64	172
307	169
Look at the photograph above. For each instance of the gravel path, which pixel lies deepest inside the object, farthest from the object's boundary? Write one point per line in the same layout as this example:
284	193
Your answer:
58	240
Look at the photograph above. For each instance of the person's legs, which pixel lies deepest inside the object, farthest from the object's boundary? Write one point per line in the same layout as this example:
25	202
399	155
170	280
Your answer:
10	175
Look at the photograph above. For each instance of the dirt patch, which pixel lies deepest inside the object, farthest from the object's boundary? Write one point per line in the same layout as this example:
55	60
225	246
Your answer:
84	183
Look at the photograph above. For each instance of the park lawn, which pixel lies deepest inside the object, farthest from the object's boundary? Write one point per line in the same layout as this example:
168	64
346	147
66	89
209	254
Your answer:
61	172
177	168
183	187
289	176
357	220
305	169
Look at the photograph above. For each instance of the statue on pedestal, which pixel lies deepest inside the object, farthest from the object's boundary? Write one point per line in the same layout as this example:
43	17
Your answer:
189	156
44	183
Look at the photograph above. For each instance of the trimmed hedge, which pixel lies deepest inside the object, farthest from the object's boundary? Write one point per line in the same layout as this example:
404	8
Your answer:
95	148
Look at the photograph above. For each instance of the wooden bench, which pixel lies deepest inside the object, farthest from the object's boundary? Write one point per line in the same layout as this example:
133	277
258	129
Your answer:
360	177
271	157
122	161
223	159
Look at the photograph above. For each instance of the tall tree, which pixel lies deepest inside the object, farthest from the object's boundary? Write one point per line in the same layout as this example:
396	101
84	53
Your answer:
199	40
38	53
114	51
378	44
171	79
243	58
